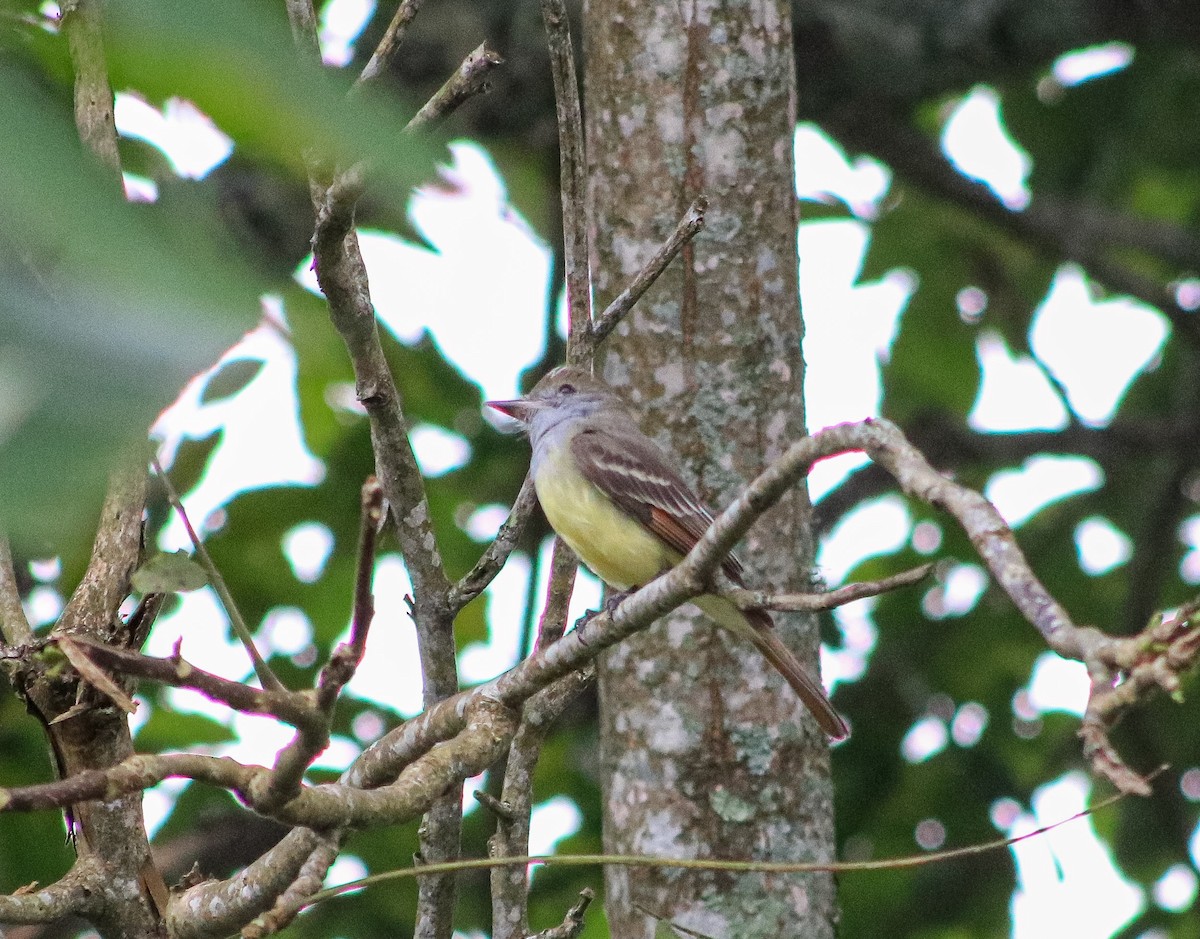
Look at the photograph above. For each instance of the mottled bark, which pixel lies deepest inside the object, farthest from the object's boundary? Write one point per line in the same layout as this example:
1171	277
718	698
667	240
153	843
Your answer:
705	751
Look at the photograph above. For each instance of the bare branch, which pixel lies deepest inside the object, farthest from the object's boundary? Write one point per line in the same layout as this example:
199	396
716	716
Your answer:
393	37
689	226
468	81
573	182
14	627
303	20
309	880
572	924
93	675
563	565
510	884
492	804
261	668
291	707
364	599
488	566
440	833
75	893
94	119
132	774
217	908
826	600
312	734
1153	660
439	839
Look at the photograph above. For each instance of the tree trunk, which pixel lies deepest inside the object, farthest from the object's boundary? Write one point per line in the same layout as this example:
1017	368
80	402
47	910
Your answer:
706	753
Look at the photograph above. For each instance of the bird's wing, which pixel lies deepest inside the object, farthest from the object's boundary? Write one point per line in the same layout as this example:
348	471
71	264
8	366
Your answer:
638	477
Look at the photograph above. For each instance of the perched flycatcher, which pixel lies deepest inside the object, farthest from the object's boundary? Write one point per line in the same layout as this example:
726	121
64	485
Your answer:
615	497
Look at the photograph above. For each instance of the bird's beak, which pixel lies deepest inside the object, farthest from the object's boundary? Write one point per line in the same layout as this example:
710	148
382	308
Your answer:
520	409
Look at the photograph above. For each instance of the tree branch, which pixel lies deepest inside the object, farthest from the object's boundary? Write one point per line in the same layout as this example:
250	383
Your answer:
217	908
826	600
510	885
309	880
572	924
74	894
342	276
468	81
14	627
92	610
475	581
572	178
312	734
94	118
689	226
291	707
133	774
392	39
236	620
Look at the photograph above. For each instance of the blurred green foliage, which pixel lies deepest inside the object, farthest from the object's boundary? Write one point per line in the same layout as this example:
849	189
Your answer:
108	308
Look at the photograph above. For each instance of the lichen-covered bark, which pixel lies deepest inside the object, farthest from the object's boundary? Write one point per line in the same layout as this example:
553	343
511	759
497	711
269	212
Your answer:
705	751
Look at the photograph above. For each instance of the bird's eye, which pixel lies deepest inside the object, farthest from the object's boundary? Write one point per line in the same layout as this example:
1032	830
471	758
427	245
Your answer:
566	389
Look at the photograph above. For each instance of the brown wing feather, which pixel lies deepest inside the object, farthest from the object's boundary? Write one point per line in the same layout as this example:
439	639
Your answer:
638	477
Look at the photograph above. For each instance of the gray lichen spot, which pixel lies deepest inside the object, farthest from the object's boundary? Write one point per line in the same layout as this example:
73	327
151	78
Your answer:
672	379
755	748
418	516
730	807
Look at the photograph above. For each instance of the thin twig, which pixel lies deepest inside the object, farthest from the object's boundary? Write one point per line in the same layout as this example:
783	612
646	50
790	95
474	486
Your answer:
828	599
389	45
572	178
267	677
493	805
131	775
553	623
14	626
335	204
312	734
346	658
689	226
572	924
469	80
476	580
290	707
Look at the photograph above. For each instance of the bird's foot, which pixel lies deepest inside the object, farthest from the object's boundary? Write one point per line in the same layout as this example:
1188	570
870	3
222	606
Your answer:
611	602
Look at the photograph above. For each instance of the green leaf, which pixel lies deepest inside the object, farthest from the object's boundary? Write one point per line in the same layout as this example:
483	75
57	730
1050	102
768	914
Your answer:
169	573
106	310
167	730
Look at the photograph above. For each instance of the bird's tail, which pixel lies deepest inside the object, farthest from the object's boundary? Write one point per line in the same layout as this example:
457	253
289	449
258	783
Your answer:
757	626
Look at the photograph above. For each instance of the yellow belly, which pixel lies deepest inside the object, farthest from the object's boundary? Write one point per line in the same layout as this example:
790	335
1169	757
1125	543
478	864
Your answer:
614	546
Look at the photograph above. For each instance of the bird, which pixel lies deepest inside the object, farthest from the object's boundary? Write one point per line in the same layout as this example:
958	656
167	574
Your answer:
616	498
